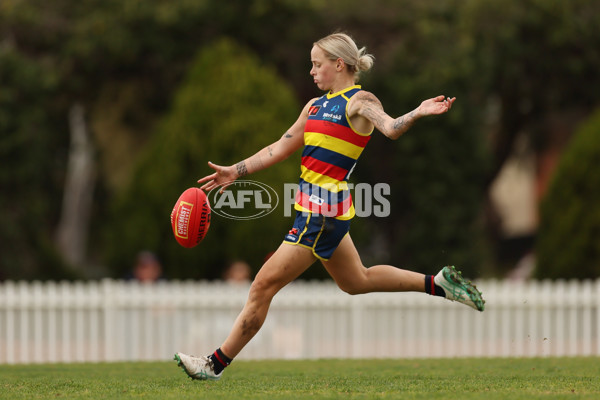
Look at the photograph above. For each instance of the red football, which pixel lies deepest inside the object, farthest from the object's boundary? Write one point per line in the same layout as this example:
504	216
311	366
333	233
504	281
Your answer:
190	217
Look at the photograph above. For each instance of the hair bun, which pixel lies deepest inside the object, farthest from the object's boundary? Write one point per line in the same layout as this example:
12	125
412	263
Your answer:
365	61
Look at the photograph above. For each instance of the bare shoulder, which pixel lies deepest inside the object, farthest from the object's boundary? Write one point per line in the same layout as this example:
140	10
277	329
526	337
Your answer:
364	96
367	97
364	103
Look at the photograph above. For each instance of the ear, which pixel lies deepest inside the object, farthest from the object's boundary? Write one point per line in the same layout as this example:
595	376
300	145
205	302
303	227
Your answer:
339	64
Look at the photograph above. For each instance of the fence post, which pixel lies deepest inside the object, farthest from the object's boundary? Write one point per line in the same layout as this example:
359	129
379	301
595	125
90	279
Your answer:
11	304
597	307
357	326
106	307
587	308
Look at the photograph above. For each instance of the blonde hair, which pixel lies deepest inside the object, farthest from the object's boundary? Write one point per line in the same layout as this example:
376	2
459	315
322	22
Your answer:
341	45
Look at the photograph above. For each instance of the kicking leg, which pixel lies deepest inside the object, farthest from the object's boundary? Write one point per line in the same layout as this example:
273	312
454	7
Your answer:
285	265
346	268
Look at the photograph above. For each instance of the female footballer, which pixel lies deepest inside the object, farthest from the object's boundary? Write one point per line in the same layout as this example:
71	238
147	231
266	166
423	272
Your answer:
333	131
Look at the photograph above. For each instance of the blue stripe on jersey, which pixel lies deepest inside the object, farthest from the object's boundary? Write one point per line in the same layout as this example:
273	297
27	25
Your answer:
329	156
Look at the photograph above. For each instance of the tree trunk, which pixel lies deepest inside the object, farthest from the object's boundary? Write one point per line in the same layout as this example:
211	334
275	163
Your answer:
73	226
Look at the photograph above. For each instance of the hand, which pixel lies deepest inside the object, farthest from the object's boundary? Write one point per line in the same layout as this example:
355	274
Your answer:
436	105
224	176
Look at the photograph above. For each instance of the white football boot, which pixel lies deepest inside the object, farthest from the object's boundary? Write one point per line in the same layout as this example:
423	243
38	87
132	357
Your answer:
458	289
197	367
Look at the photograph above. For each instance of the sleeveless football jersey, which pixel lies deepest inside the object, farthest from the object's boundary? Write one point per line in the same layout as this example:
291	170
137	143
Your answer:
331	148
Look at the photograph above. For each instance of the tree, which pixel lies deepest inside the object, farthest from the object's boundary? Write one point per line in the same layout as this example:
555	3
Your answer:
436	170
568	243
515	66
31	154
228	107
122	62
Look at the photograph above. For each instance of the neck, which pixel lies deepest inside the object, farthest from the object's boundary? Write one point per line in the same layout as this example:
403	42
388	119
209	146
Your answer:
338	86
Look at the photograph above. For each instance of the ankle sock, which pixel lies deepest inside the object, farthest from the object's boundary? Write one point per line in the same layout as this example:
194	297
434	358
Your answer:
433	289
220	361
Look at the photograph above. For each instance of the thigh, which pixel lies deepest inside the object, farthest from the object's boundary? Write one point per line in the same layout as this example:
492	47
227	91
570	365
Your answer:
285	265
345	265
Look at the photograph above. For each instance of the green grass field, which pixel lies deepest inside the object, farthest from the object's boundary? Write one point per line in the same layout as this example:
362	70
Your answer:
448	379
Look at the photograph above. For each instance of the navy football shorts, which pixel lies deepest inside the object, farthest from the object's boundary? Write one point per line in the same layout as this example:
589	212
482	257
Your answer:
319	233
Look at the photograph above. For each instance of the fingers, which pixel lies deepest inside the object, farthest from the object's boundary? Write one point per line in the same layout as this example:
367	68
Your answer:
207	178
213	185
446	101
442	98
209	186
224	187
211	177
216	180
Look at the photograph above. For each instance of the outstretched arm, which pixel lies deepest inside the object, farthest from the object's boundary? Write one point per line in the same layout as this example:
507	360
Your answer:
278	151
368	106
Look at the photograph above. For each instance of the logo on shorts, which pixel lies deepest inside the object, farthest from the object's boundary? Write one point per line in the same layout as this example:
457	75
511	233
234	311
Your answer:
244	200
292	235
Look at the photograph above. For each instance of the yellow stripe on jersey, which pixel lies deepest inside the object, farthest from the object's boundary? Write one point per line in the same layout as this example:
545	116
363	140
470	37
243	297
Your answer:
334	144
347	215
330	184
342	92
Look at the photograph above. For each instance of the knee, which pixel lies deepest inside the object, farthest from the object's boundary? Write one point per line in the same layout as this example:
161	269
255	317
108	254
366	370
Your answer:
354	284
262	289
352	288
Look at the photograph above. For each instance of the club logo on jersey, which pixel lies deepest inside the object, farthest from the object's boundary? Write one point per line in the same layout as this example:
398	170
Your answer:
313	110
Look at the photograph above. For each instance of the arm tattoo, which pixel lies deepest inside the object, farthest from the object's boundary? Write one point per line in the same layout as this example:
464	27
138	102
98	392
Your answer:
371	110
270	151
241	168
404	123
399	123
288	135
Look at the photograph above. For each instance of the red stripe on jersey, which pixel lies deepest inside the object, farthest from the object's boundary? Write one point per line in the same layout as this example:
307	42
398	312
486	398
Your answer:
324	168
325	209
337	131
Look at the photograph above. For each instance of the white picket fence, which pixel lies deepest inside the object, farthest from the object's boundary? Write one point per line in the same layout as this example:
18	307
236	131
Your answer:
122	321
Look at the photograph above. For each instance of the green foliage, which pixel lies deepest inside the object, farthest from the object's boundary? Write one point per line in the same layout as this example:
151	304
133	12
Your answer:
30	192
228	107
506	378
506	43
568	244
123	60
436	169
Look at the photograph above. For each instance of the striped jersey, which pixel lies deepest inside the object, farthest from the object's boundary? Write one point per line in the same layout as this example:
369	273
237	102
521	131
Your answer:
331	148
